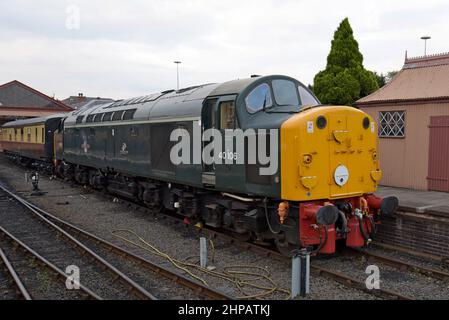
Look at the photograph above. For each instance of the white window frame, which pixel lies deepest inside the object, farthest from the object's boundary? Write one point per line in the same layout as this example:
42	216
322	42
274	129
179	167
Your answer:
392	124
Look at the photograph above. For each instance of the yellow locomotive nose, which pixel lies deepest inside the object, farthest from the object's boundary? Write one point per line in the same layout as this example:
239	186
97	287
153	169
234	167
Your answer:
328	153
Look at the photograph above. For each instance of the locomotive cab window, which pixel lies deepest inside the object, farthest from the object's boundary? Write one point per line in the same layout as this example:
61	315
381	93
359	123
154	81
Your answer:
227	115
259	98
285	93
307	98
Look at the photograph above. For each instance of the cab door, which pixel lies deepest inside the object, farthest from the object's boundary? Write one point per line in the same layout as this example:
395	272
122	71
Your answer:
209	119
224	173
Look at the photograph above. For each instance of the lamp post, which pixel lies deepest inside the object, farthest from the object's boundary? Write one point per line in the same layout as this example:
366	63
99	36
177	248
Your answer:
425	38
177	74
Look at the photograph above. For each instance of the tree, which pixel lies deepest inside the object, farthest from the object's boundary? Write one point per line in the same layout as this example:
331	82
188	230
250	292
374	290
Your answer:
390	75
381	79
344	80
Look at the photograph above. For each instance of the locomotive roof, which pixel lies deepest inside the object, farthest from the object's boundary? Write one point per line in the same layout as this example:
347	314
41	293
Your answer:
168	105
32	121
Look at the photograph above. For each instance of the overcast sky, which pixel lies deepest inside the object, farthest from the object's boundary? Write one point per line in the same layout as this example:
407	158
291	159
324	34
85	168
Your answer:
122	49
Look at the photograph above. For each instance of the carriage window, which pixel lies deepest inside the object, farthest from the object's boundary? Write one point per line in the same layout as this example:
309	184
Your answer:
285	93
259	98
42	135
307	99
227	115
90	118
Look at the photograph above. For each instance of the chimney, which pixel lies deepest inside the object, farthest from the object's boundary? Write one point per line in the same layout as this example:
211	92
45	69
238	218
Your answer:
80	97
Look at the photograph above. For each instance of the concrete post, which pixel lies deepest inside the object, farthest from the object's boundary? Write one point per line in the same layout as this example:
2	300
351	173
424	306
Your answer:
203	252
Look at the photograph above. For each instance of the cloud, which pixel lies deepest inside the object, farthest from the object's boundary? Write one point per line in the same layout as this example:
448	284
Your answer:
127	48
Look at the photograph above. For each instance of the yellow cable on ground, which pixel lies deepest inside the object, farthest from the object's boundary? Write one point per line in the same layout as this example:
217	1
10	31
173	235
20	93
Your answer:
231	274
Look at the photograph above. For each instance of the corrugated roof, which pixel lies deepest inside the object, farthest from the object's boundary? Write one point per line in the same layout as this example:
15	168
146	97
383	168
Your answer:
422	78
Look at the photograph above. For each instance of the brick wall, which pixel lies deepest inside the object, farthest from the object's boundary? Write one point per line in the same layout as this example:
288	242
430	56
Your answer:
418	232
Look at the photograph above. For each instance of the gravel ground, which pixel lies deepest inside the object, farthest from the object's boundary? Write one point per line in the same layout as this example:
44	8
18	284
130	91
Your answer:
161	287
39	281
6	286
93	213
420	261
47	242
407	283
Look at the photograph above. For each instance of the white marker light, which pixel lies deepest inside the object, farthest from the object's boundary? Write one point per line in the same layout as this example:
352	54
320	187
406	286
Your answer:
341	175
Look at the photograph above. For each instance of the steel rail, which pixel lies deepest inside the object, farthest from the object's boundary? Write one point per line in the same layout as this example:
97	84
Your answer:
269	252
20	288
401	265
132	286
336	276
44	262
199	288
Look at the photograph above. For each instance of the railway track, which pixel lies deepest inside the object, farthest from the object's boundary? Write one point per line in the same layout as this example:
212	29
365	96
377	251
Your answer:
400	264
26	227
9	277
35	270
270	252
318	270
94	241
346	280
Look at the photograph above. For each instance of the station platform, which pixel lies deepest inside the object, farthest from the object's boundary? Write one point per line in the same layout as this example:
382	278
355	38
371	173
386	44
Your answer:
425	202
421	223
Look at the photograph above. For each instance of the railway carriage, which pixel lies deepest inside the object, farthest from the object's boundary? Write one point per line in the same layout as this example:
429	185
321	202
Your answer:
320	191
31	140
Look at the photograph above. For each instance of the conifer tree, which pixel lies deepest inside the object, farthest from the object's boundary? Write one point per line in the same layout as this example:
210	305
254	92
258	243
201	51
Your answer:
344	80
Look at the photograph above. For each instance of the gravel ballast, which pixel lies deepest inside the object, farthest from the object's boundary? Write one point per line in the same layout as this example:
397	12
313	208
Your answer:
94	213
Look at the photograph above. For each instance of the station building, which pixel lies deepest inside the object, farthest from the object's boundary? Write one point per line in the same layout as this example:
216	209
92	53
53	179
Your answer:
412	115
19	101
81	101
